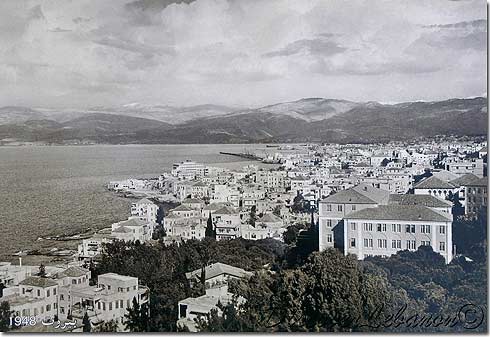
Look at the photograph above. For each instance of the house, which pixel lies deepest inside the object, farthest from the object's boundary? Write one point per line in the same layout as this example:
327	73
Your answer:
476	193
216	274
36	296
337	206
216	278
460	166
429	201
460	183
133	229
108	300
194	203
145	209
227	223
435	187
189	170
91	247
386	229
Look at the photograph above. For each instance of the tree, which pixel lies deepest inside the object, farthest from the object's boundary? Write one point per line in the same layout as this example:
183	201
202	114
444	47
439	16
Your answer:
87	325
277	211
5	314
253	216
137	317
210	230
42	270
109	326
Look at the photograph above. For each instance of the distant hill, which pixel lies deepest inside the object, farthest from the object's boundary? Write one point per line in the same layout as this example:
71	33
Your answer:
311	119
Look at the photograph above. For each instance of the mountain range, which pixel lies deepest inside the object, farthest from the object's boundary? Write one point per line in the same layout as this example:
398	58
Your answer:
305	120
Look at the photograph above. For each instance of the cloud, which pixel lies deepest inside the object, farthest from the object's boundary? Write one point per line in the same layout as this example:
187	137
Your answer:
59	30
314	46
231	52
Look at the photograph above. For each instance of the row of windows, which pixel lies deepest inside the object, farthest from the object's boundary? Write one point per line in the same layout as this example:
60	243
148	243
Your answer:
396	228
48	292
117	304
395	244
340	208
48	307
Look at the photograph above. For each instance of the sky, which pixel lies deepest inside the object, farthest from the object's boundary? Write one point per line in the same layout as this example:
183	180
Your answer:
240	53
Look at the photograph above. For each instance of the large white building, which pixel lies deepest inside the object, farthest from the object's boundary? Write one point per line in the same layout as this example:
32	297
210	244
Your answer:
386	229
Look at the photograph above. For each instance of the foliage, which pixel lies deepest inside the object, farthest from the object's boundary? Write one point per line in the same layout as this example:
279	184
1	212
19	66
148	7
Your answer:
87	326
162	268
290	236
329	293
5	314
430	286
42	270
469	235
253	216
109	326
210	230
137	317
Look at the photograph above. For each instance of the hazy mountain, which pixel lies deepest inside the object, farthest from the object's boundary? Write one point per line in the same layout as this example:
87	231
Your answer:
312	119
165	113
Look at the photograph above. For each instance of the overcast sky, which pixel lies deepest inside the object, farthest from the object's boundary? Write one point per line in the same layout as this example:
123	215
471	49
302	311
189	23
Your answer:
84	53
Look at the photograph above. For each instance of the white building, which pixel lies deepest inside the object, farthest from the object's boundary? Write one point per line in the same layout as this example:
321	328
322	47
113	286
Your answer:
387	229
145	209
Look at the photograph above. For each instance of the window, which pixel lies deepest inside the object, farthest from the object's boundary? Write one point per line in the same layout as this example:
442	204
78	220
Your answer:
425	229
127	303
353	226
352	242
425	243
98	305
396	244
73	281
110	305
368	243
353	207
397	228
54	291
368	227
442	229
48	307
23	290
442	246
329	238
382	243
411	244
55	305
117	304
38	292
121	303
48	293
103	306
108	287
339	208
329	208
381	227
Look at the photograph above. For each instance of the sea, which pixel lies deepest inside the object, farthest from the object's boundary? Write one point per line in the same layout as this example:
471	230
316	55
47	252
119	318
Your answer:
57	190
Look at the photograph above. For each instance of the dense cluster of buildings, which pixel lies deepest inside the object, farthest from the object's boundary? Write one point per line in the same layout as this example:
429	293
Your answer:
367	200
65	293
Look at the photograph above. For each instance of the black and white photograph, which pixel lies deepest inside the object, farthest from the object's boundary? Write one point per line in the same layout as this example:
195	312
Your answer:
243	166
